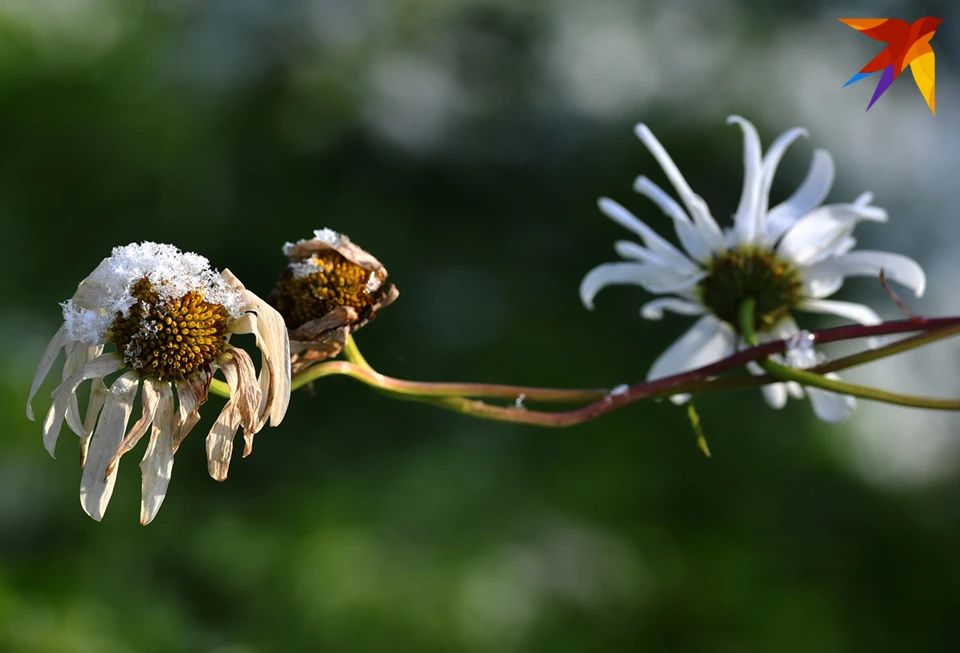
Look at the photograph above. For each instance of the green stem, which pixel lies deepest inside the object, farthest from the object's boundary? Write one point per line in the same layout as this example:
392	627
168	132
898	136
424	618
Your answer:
219	388
352	353
804	377
423	389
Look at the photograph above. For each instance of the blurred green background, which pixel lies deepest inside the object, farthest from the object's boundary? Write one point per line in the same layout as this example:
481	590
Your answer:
464	143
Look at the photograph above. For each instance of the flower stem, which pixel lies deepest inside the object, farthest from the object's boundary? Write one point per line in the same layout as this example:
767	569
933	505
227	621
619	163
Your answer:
455	396
431	389
804	377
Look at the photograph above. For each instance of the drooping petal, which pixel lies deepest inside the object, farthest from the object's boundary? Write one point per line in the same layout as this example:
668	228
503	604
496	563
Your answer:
98	395
157	464
46	362
896	267
746	222
192	393
242	408
811	193
707	341
829	406
76	359
667	253
151	394
270	331
653	310
220	443
819	232
96	485
654	279
97	368
707	227
245	391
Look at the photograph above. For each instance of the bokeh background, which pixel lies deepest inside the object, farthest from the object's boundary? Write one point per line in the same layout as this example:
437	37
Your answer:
464	143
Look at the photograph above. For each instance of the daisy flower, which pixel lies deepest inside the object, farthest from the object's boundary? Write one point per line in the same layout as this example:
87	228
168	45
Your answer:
787	258
169	318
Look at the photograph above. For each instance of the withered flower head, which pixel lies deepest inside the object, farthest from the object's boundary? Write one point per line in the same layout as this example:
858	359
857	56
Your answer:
170	318
330	289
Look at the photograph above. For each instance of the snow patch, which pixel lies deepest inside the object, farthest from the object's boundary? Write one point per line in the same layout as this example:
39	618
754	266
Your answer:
89	315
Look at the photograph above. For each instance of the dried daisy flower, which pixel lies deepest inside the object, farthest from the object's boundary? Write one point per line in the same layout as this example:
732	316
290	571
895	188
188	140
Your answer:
330	289
170	318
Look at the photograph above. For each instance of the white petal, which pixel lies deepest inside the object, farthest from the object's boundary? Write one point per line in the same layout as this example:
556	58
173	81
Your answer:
896	267
633	251
746	222
96	486
818	284
157	464
687	233
98	368
658	196
771	161
819	232
710	232
829	406
608	274
811	193
795	390
46	362
654	310
707	341
667	253
850	310
775	394
652	278
785	328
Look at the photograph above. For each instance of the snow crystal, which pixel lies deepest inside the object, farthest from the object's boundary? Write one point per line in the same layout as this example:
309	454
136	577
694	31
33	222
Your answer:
800	352
172	274
619	390
374	283
328	236
302	269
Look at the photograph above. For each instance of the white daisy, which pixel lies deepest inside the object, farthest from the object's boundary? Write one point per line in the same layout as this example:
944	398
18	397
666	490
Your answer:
791	257
170	318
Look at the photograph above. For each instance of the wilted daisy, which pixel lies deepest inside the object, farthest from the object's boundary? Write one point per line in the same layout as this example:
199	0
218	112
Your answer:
330	288
791	257
169	318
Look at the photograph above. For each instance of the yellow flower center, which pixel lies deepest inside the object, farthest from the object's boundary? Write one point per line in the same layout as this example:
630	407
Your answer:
169	339
751	273
310	289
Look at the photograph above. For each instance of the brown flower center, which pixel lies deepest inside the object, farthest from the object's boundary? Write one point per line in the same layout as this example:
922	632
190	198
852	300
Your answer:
751	273
169	339
310	289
